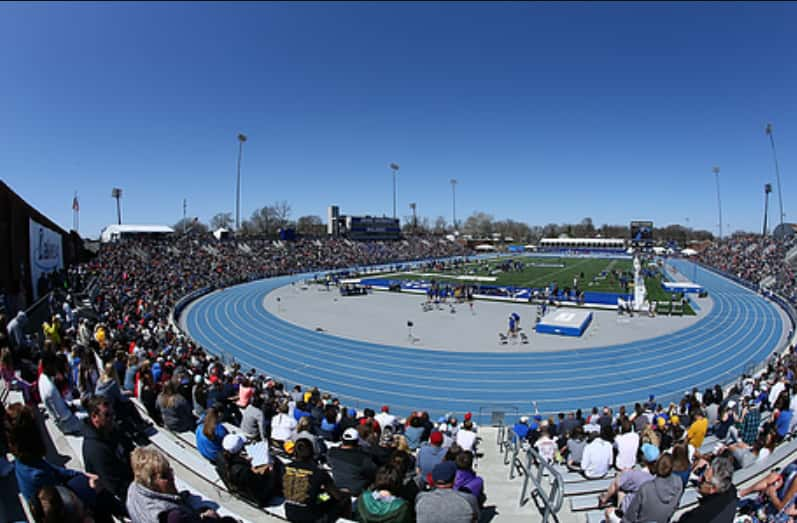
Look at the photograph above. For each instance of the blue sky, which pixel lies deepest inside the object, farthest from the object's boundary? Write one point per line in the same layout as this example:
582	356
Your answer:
544	112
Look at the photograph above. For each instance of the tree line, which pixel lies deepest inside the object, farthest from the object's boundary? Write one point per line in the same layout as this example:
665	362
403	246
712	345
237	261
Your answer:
269	219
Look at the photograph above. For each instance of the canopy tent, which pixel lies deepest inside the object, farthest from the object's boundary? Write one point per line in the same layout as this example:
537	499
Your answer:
688	252
485	247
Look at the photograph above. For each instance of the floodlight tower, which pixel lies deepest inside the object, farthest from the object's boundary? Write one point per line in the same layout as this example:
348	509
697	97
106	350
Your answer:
716	171
777	170
394	167
413	206
454	201
767	190
241	140
117	193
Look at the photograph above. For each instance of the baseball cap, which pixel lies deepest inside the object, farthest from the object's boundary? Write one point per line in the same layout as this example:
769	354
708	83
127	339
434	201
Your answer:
232	443
468	416
651	452
436	438
524	419
350	434
385	408
444	472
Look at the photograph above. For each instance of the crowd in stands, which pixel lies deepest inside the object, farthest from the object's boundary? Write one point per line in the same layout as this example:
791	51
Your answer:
324	459
653	452
268	441
756	259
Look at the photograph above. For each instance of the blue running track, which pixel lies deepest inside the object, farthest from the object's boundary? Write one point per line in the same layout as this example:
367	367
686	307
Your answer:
740	331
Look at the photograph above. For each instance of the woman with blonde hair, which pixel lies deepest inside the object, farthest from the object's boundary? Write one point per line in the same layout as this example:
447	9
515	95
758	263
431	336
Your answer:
153	495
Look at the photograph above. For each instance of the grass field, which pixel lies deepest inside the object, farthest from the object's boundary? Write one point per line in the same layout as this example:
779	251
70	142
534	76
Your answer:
593	274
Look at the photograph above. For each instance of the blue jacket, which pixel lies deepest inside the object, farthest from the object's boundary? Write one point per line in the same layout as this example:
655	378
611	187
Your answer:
31	478
210	448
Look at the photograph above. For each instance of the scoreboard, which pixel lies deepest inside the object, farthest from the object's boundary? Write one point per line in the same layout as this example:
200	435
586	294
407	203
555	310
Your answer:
372	228
641	233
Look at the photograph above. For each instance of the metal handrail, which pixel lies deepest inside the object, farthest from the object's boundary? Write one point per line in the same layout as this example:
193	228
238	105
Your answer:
549	491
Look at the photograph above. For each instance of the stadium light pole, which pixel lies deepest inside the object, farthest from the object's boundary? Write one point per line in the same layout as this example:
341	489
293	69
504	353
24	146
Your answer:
394	167
241	140
413	206
767	190
777	169
716	171
117	193
454	202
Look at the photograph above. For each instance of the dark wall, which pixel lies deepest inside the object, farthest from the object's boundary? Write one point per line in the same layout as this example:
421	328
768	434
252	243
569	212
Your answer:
15	215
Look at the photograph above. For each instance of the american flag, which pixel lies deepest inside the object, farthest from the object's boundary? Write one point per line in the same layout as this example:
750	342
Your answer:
75	204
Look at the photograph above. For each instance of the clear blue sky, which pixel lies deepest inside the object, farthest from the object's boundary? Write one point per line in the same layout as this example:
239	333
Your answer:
545	113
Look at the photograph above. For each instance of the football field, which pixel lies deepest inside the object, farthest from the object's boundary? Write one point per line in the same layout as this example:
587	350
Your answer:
592	274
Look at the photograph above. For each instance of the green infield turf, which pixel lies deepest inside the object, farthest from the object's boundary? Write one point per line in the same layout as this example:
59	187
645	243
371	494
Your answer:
593	274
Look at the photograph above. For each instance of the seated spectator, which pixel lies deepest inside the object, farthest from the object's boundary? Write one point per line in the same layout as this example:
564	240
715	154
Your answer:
383	503
59	504
430	454
546	445
175	409
627	483
56	406
253	422
414	433
106	449
32	470
210	434
466	479
598	454
385	418
521	428
199	395
8	373
697	430
751	421
153	497
259	484
466	436
352	468
403	461
627	444
283	426
681	465
575	448
310	494
656	500
746	455
329	428
717	503
444	504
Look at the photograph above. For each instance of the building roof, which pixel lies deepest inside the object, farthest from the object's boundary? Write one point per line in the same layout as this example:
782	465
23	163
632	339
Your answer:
114	230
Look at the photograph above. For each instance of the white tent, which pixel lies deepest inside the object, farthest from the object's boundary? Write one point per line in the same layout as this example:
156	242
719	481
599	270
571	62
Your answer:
688	252
484	247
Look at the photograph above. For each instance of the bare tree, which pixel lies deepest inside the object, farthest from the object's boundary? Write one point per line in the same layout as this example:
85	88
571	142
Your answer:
191	226
222	220
440	225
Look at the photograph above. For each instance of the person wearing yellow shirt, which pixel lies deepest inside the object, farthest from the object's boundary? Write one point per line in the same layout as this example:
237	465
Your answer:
52	331
697	430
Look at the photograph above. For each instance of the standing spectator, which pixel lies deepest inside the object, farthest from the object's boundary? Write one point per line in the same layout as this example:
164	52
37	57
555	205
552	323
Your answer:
253	422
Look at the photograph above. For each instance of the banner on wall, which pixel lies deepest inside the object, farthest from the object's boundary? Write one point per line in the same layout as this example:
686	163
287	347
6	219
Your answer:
46	254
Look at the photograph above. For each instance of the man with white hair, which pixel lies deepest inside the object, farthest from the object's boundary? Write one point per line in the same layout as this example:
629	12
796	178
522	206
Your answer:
717	503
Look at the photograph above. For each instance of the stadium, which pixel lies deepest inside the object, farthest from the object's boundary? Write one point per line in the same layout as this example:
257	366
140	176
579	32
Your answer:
373	367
